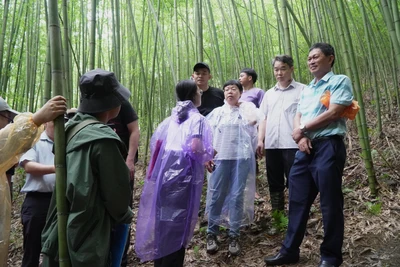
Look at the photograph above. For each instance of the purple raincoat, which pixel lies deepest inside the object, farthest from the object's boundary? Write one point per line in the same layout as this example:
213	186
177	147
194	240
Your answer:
170	200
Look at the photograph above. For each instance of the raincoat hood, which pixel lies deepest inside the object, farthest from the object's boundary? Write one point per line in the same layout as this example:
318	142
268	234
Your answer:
181	111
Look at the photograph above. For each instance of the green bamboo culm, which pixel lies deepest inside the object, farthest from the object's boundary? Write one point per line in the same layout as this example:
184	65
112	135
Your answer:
371	61
390	24
286	31
59	133
199	29
2	39
67	58
361	121
47	68
92	43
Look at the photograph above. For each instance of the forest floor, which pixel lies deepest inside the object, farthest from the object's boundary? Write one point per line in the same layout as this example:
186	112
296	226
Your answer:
372	224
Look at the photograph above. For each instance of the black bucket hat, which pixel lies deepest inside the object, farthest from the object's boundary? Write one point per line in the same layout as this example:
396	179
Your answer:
101	91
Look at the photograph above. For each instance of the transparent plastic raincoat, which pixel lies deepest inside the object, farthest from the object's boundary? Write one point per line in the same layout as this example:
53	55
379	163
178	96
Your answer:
15	139
231	186
170	200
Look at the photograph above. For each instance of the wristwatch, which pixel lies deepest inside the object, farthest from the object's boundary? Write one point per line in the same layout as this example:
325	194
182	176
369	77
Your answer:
303	128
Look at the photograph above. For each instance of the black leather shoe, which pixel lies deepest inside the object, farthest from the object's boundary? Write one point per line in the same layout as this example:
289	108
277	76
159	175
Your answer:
281	259
325	264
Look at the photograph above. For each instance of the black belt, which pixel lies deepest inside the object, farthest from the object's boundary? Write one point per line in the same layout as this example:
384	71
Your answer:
39	194
325	138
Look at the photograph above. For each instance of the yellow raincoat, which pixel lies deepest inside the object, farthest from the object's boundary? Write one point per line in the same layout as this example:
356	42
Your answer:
15	139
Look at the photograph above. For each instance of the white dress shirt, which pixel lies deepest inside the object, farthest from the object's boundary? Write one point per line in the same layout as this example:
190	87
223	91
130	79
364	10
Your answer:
42	153
279	105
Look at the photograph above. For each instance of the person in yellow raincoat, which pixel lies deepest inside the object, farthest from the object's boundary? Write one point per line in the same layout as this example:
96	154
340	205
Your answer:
18	133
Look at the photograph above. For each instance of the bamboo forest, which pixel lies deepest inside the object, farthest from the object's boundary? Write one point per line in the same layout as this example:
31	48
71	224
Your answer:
151	45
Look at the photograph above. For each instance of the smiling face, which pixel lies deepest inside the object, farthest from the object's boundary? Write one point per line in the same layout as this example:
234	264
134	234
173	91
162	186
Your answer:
232	94
318	63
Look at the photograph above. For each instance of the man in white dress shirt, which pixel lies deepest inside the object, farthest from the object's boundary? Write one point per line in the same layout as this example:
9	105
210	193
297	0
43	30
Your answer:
38	163
279	106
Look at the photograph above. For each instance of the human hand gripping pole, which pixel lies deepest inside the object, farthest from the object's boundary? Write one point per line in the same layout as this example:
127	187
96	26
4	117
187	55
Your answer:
53	108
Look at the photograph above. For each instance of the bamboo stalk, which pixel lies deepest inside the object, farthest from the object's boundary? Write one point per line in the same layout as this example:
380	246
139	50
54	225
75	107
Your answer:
199	29
353	72
372	70
2	38
390	25
286	31
67	66
59	134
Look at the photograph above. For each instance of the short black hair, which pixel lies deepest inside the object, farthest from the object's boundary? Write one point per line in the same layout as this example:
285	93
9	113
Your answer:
325	48
233	82
284	59
186	90
250	72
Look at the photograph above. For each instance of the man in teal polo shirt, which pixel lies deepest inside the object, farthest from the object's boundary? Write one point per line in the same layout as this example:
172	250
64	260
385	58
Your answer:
319	163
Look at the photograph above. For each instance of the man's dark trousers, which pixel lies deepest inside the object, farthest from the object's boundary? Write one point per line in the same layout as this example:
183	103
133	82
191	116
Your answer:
174	259
33	217
278	163
321	171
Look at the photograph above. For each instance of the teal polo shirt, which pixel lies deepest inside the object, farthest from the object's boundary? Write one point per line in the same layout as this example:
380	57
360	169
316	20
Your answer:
310	105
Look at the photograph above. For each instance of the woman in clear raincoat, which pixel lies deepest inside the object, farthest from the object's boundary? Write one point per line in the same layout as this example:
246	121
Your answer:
231	185
15	139
170	200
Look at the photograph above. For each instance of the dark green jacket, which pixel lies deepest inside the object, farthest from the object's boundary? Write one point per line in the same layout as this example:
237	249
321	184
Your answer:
97	192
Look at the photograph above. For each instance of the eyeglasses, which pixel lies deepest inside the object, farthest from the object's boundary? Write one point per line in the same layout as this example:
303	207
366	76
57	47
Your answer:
9	119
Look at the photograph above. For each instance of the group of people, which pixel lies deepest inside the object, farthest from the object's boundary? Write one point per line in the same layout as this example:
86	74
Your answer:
300	135
221	131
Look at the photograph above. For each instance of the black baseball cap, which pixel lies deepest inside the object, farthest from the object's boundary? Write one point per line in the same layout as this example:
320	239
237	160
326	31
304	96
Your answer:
201	65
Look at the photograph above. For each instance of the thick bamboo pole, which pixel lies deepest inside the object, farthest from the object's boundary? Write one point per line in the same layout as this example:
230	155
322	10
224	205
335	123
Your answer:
59	134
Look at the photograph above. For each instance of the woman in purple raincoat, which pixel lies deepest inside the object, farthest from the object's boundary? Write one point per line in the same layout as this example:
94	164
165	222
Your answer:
170	201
